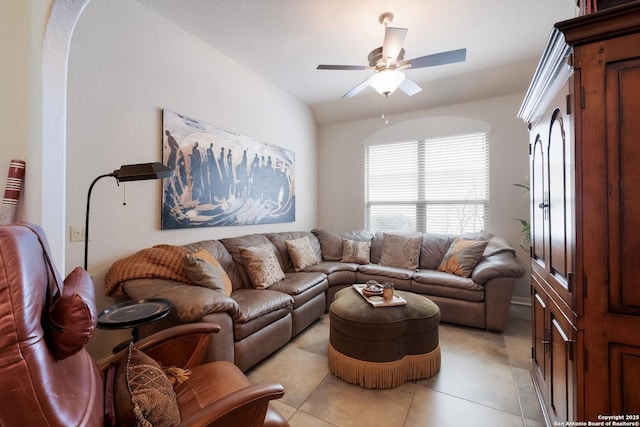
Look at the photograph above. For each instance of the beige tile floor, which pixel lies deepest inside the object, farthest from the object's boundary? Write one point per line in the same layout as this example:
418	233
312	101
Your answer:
483	381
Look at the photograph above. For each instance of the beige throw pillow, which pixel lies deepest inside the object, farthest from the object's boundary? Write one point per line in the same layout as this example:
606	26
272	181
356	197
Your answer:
301	253
401	250
462	257
261	265
356	251
204	270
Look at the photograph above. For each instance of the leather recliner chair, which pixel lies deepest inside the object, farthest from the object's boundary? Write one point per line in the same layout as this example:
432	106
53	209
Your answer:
47	378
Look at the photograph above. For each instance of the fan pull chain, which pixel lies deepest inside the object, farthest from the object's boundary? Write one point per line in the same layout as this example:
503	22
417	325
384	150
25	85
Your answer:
124	195
384	111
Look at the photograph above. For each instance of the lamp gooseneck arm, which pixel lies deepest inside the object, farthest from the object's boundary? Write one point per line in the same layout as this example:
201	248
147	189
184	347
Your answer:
86	223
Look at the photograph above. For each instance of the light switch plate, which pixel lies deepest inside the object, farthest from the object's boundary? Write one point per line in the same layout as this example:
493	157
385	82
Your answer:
77	233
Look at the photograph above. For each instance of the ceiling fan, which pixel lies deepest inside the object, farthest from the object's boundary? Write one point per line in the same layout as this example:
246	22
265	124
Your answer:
388	60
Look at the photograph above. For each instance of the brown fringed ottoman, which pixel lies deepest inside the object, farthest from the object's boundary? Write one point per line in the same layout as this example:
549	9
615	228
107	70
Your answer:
383	347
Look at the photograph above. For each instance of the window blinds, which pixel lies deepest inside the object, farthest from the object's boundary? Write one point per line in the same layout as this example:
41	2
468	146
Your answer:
438	185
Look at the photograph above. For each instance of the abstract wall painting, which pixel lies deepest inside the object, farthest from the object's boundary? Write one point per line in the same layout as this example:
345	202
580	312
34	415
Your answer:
223	178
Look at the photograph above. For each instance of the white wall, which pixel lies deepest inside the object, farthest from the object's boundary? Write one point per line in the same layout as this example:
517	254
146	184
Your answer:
127	64
21	27
341	163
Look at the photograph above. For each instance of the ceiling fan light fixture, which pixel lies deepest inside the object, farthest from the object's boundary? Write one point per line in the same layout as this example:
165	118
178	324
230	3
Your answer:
386	81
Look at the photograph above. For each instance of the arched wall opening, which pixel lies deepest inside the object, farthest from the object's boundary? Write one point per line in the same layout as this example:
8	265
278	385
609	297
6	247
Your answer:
50	161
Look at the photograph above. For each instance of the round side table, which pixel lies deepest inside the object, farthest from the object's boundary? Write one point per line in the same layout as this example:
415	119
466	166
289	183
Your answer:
131	314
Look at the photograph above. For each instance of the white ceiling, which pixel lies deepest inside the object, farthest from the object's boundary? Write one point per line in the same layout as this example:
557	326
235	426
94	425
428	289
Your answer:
284	41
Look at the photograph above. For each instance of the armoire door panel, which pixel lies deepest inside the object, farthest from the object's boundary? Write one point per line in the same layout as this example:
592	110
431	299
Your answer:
557	198
540	337
623	99
538	201
561	368
624	365
560	372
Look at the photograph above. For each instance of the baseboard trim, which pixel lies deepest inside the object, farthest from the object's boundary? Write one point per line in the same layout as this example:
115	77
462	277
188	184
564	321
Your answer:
521	301
520	308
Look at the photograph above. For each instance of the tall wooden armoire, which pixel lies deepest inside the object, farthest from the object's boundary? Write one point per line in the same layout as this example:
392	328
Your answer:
583	111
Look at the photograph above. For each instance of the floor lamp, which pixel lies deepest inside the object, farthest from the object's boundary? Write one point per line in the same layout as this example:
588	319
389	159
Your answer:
137	172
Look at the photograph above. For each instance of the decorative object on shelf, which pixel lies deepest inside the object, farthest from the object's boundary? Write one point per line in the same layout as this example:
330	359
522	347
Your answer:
135	172
12	191
223	178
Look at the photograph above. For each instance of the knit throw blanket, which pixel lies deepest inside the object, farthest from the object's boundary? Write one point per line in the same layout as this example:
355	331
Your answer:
157	262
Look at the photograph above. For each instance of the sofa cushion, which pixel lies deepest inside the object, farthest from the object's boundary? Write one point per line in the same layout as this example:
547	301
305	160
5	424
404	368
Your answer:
261	265
302	286
258	309
441	278
233	245
220	253
331	241
355	251
328	267
448	292
462	256
438	283
337	272
301	253
296	283
72	318
385	271
204	270
278	240
254	304
432	250
401	250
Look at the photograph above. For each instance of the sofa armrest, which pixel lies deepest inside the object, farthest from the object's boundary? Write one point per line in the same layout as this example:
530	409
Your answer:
502	264
497	300
189	302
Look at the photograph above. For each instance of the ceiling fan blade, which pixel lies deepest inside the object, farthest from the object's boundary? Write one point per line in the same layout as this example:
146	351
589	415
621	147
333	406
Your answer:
356	89
441	58
342	67
393	41
409	87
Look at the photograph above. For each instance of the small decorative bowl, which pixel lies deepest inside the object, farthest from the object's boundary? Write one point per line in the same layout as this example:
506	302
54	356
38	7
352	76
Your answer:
372	289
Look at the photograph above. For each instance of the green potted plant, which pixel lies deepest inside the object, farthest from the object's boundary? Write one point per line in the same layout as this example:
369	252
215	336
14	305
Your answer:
525	232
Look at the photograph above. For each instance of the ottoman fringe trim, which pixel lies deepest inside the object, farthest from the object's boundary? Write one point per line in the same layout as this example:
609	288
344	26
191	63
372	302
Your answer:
383	374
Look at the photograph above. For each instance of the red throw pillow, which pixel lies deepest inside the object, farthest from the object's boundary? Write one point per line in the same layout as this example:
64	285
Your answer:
72	316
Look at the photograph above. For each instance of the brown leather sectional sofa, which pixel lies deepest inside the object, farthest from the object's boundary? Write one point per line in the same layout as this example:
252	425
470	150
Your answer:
257	322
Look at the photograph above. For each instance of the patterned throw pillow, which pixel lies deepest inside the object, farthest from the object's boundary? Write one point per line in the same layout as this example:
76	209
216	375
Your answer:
356	251
301	253
143	394
204	270
462	257
401	250
262	266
